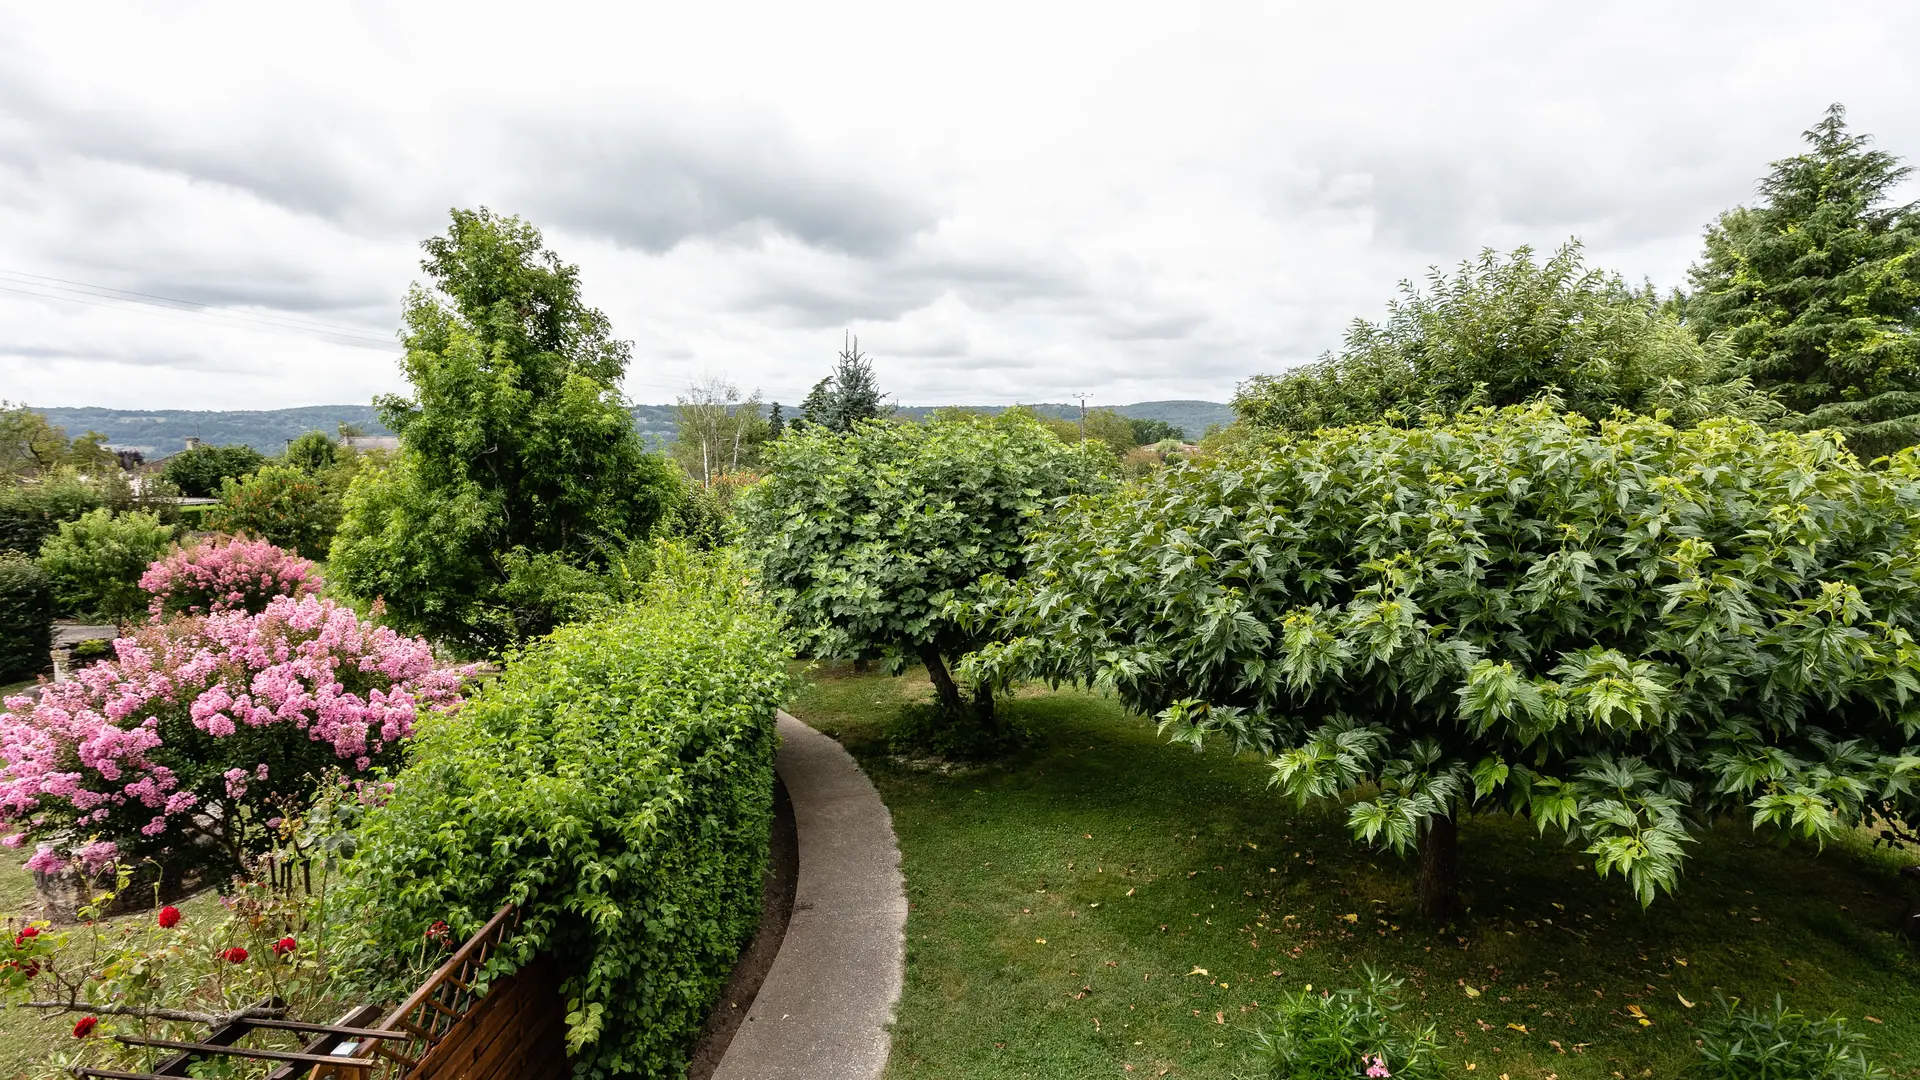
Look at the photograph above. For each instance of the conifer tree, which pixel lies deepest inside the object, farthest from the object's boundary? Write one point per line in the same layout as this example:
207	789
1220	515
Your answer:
1817	288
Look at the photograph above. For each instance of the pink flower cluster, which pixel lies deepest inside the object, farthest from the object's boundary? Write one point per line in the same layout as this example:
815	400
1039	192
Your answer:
226	573
169	736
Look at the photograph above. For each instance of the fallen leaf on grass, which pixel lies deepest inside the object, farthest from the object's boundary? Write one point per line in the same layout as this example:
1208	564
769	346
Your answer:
1039	941
1219	1018
1198	970
1521	1028
1471	992
1683	999
1352	918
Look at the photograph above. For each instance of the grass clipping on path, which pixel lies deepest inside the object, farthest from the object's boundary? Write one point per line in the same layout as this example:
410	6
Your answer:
1103	904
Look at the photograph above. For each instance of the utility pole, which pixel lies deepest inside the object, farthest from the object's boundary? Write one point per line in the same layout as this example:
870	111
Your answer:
1083	418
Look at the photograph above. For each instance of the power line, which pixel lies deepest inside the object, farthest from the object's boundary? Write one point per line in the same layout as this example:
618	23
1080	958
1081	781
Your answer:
134	296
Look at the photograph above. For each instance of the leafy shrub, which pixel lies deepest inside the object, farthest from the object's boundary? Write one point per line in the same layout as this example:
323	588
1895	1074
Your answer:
199	472
864	538
286	505
312	452
201	727
1618	630
26	617
616	782
1780	1044
225	573
29	513
1343	1034
96	561
1501	332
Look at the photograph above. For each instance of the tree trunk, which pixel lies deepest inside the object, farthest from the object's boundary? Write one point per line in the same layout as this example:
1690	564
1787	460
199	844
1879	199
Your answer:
1440	869
951	703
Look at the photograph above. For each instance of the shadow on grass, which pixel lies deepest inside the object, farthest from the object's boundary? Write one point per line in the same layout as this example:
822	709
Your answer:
1099	899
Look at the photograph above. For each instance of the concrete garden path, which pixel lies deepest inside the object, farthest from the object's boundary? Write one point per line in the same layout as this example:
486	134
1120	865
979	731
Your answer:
824	1009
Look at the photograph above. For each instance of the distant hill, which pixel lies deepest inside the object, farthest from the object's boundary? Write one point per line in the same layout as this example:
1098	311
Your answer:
160	432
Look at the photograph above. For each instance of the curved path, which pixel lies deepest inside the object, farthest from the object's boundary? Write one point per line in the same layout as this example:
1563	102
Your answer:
824	1009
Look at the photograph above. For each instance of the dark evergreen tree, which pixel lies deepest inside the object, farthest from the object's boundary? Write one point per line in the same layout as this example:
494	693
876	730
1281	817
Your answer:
1817	289
776	423
847	396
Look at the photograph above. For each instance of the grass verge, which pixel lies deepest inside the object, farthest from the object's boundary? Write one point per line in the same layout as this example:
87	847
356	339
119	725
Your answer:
1102	904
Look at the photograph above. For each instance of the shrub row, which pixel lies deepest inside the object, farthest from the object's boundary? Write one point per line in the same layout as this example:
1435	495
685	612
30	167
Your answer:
26	617
616	781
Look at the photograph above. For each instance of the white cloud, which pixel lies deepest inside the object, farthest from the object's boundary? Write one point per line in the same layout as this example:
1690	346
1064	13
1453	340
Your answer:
1005	201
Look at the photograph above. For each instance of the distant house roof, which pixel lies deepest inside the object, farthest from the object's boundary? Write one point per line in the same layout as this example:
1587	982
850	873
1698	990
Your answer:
371	442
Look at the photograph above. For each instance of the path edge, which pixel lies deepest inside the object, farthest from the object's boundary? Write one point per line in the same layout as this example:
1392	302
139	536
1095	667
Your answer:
827	1004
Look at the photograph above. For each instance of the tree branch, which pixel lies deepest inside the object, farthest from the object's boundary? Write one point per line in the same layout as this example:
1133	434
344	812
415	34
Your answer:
213	1019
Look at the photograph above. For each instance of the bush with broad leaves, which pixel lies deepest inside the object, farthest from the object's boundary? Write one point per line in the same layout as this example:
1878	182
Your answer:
225	573
202	729
1619	630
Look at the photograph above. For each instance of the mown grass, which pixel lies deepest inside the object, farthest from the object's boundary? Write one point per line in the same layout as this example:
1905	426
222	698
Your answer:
1102	904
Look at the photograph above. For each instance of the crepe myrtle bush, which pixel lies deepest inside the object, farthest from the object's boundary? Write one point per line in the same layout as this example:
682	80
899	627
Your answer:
225	573
1618	629
200	727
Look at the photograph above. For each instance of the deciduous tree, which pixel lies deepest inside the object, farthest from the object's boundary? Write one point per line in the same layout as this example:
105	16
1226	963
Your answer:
517	450
1618	630
864	538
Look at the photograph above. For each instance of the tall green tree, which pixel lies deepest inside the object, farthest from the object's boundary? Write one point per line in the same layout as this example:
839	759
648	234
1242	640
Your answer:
847	396
1619	631
1817	288
1501	331
865	538
519	461
200	471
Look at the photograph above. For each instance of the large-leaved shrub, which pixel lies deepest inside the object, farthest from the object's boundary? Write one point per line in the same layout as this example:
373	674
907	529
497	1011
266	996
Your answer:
202	729
615	781
96	562
1618	630
29	513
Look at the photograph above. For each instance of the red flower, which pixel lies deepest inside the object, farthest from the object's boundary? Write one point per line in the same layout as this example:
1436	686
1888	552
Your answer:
284	946
169	917
85	1026
26	932
440	932
235	955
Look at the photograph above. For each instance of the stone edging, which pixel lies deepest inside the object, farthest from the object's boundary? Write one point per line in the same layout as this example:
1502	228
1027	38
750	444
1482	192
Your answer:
826	1004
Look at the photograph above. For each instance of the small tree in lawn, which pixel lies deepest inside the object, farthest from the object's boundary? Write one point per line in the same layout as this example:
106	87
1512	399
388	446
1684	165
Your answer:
865	538
1619	630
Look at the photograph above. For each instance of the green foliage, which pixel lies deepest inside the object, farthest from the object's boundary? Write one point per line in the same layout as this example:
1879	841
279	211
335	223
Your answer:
95	562
33	448
312	452
864	538
717	432
1148	431
199	472
1502	333
1615	630
1341	1034
1780	1044
287	505
516	446
29	513
26	617
1818	289
843	399
616	781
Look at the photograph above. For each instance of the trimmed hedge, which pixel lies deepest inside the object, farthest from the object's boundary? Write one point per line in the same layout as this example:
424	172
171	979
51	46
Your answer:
26	617
616	781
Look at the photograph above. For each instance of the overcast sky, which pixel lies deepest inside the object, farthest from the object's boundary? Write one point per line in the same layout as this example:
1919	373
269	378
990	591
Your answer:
1018	202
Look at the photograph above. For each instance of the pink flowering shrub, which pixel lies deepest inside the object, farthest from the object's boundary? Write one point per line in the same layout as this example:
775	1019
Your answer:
204	728
226	573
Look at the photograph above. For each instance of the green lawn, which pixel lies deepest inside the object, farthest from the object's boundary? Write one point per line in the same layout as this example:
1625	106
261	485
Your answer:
1103	901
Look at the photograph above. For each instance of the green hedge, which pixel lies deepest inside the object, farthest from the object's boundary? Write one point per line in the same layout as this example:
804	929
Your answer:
26	617
616	780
